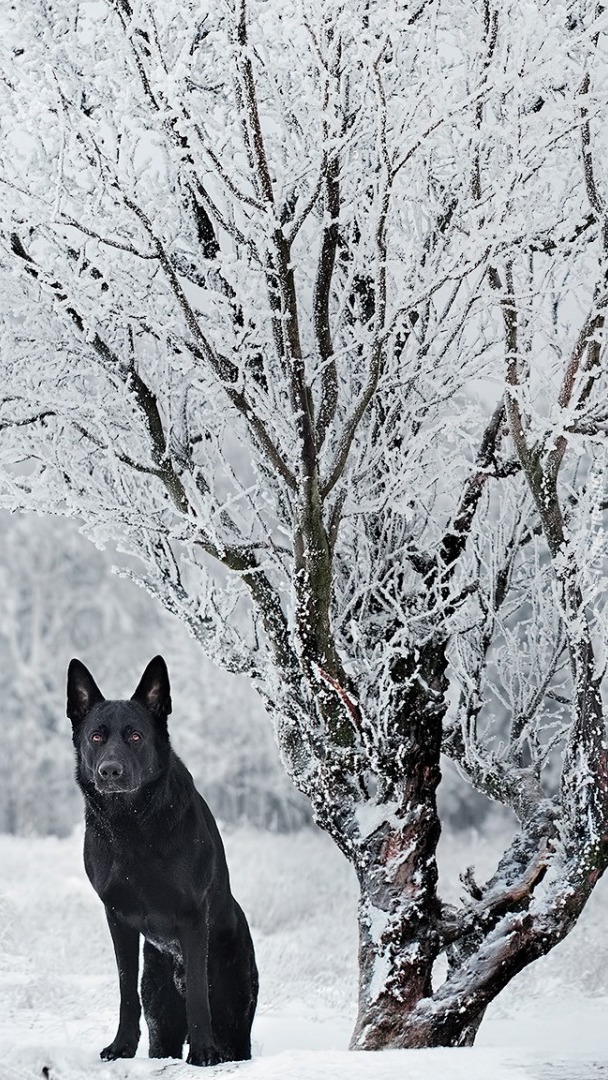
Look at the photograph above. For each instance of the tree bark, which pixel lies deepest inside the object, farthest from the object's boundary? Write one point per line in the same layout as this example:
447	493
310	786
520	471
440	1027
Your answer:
397	870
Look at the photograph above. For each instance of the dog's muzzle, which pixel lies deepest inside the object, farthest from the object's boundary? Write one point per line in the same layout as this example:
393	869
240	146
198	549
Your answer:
110	777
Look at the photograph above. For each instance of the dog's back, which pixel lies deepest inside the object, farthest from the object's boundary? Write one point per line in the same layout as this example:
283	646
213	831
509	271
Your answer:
155	857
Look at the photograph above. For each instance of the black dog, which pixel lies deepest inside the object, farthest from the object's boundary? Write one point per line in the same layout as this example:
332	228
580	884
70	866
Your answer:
153	853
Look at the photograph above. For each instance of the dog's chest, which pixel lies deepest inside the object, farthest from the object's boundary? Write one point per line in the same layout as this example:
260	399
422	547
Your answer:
140	891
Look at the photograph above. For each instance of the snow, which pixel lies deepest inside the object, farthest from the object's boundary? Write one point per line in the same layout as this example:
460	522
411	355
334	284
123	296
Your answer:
58	993
370	816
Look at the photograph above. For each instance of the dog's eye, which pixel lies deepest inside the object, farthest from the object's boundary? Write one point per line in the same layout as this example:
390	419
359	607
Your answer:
135	736
97	736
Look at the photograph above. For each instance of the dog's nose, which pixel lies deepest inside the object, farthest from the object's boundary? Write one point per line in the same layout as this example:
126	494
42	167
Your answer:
110	770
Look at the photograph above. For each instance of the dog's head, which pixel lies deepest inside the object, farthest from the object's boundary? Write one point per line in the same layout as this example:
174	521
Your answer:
120	745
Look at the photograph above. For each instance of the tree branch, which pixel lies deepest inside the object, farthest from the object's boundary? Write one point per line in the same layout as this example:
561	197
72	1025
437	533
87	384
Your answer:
321	298
251	116
378	355
223	368
486	467
497	902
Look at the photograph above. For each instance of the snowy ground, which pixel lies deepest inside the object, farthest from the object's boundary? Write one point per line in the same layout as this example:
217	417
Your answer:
58	995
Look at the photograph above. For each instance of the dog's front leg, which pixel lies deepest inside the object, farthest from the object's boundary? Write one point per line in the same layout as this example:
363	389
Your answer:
195	950
126	948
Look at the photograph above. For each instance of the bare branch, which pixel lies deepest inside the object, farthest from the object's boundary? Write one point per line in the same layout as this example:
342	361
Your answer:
321	300
251	116
26	421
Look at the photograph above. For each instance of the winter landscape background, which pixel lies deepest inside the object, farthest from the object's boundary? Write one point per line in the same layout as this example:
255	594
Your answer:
303	310
58	987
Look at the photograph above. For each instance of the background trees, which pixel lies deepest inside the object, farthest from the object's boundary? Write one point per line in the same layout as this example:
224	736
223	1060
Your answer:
304	306
59	598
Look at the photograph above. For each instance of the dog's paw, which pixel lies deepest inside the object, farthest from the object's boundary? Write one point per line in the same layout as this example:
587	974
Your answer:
119	1049
204	1055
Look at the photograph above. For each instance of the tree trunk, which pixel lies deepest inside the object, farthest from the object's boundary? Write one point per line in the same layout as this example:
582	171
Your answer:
398	906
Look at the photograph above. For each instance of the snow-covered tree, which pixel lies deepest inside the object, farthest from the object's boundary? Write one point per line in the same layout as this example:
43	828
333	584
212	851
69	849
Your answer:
303	305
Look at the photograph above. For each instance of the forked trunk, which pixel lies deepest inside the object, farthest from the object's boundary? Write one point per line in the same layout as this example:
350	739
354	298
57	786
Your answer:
523	913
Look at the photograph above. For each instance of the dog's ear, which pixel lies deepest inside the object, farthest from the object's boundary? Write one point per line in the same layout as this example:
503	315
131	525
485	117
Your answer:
83	692
154	692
